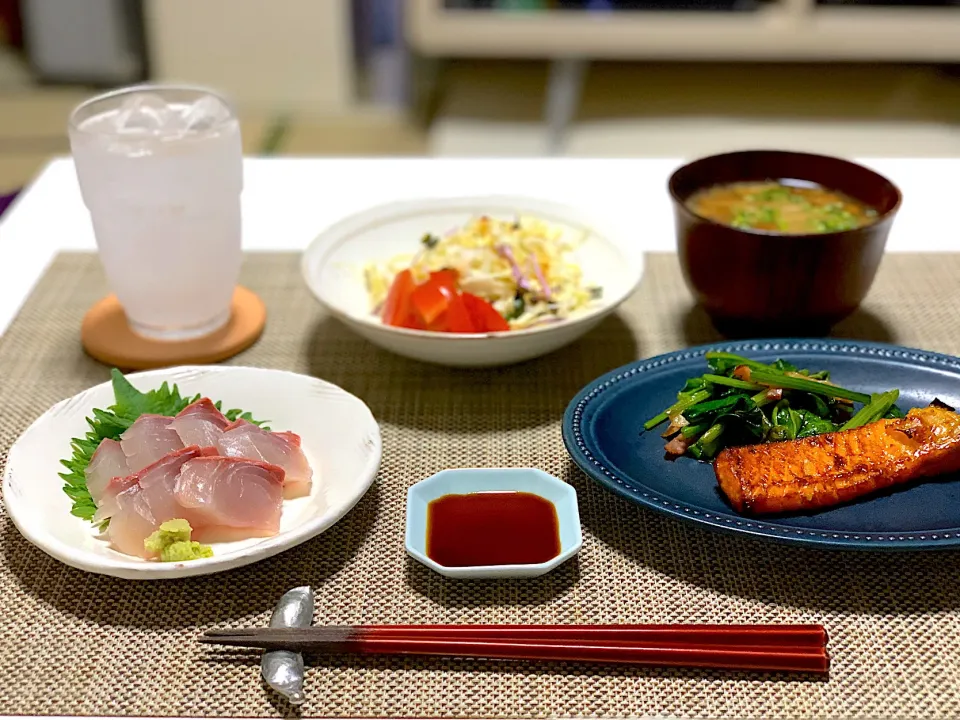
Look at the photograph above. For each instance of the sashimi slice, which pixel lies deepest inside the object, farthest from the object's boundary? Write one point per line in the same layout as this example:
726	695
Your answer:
292	437
132	523
159	481
233	492
148	440
107	507
246	440
200	423
107	462
140	503
169	463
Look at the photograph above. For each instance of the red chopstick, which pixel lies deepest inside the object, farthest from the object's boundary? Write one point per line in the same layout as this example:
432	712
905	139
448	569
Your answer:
784	648
725	635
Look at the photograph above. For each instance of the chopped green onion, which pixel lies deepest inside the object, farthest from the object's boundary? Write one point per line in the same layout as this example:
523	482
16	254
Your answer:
516	308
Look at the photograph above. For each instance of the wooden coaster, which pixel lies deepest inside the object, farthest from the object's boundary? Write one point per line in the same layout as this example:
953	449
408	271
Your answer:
106	335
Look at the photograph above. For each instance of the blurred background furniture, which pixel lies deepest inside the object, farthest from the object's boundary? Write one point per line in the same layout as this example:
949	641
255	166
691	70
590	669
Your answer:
512	78
570	33
822	30
94	42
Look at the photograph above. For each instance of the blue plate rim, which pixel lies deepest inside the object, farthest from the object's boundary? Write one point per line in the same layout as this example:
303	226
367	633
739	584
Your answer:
730	523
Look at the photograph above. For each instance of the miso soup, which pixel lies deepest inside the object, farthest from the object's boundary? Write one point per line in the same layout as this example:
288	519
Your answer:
779	207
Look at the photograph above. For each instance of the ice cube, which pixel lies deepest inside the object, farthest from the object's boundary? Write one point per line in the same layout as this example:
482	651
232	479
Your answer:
203	114
143	113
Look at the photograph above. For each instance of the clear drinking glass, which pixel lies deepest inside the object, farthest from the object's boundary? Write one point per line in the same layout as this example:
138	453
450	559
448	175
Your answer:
161	172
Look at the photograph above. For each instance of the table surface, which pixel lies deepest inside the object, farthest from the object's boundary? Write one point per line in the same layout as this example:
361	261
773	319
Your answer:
288	201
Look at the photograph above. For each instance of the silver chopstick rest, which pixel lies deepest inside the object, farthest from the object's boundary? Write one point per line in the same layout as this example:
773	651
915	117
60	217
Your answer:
283	670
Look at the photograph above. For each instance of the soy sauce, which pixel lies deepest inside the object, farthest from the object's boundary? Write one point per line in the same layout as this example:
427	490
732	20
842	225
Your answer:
492	528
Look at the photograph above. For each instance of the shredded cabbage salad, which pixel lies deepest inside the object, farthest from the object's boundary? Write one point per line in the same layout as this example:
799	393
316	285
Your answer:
523	267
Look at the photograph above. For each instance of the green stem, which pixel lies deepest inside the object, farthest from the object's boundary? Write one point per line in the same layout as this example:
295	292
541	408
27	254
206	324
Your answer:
691	431
737	360
789	382
731	382
677	407
706	447
873	410
711	406
712	434
763	398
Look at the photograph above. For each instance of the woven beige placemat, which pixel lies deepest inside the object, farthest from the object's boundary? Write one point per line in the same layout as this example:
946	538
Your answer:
74	643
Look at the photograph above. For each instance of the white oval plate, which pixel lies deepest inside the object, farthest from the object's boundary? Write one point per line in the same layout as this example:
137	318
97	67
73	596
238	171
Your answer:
333	269
340	437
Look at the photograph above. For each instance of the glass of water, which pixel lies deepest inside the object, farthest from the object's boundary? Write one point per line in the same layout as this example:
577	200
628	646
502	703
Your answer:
161	172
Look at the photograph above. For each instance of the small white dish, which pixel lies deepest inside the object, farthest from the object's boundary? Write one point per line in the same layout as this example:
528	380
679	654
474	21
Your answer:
472	480
333	264
339	436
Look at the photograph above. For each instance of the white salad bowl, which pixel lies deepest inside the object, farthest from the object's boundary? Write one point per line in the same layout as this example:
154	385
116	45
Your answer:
340	439
333	268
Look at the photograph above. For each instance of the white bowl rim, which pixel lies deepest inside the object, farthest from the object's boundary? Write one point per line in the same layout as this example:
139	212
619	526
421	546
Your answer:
332	237
135	570
571	517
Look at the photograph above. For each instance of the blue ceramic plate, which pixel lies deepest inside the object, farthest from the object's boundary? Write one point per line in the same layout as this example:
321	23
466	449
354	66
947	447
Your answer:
603	432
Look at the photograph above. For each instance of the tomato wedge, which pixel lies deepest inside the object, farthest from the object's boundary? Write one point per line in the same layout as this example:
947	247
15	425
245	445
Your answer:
459	318
439	306
397	310
429	301
448	277
485	316
455	318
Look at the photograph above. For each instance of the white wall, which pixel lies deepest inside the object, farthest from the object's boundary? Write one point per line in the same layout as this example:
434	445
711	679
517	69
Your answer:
269	56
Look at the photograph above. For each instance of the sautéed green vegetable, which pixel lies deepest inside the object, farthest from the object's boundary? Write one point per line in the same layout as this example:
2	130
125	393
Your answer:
744	402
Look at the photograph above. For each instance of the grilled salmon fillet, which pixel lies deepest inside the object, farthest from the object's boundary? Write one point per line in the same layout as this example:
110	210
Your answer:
836	467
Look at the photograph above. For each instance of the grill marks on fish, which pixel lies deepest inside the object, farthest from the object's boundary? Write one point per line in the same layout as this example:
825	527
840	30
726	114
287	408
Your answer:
835	468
